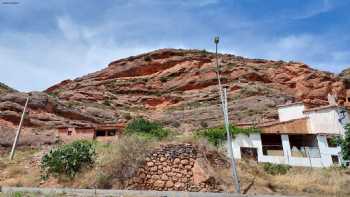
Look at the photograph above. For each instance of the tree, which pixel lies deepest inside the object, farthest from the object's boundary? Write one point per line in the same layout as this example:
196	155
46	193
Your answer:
345	144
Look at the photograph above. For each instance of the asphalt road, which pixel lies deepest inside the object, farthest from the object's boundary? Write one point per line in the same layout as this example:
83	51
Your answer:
120	193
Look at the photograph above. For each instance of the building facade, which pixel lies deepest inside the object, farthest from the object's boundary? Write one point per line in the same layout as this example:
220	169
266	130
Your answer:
301	137
103	132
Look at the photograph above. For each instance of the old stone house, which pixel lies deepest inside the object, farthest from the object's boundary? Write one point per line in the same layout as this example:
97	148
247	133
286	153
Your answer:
102	132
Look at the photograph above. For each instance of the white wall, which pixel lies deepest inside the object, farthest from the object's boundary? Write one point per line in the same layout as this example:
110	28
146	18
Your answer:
291	112
326	152
247	141
325	121
254	141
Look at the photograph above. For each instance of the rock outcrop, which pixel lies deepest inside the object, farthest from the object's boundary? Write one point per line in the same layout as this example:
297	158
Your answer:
44	114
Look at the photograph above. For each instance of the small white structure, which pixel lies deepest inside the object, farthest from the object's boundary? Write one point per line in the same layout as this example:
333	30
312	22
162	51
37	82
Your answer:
301	137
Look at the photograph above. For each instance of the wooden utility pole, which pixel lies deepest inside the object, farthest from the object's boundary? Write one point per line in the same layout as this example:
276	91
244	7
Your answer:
18	130
223	98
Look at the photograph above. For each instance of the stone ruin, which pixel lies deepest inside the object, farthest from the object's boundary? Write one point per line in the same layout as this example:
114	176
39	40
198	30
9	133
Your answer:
177	167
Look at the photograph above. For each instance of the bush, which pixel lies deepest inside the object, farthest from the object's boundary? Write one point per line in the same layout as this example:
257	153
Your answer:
119	162
276	169
217	135
345	144
146	128
147	58
68	159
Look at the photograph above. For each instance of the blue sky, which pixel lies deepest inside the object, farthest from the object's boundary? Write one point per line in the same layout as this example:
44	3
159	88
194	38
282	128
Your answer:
45	42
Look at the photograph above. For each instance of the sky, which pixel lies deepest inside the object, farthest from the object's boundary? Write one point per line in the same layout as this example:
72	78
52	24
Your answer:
45	42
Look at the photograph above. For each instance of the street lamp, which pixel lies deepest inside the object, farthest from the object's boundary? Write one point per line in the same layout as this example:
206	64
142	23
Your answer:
224	106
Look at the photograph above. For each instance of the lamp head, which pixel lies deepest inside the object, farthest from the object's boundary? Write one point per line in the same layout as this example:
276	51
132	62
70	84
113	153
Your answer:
216	40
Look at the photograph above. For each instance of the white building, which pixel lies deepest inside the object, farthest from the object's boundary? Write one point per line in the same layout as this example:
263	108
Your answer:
301	137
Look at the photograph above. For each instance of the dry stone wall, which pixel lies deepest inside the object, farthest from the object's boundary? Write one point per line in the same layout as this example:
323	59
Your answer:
177	167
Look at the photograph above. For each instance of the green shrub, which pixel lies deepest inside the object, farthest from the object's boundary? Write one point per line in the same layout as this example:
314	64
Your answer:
147	58
146	128
276	169
68	159
345	144
217	135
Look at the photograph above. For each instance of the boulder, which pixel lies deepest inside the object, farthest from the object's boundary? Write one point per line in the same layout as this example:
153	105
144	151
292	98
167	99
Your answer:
202	171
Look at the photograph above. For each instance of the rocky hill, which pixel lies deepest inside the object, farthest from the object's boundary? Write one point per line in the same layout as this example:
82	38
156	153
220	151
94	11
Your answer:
179	88
176	87
345	74
5	89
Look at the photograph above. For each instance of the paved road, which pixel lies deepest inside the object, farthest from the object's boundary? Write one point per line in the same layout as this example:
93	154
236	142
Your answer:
121	193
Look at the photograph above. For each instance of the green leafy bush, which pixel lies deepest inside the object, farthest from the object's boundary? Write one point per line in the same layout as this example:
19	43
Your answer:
146	128
68	159
276	169
217	135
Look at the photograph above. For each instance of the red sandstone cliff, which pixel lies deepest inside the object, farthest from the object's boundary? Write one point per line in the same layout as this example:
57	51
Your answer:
179	87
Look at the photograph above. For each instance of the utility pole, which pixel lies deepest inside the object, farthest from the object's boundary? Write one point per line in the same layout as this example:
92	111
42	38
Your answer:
18	130
224	106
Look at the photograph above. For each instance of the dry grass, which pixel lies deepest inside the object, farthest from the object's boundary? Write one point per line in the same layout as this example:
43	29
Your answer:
298	181
330	182
118	162
19	171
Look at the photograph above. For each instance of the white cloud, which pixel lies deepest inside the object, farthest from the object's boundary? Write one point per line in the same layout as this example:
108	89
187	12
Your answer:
44	60
323	7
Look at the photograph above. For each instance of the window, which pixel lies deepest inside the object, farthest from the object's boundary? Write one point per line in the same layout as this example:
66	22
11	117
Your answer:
105	133
249	153
272	144
335	159
304	146
100	133
331	141
69	132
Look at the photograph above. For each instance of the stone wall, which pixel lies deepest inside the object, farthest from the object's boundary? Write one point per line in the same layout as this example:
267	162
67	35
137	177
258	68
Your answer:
178	167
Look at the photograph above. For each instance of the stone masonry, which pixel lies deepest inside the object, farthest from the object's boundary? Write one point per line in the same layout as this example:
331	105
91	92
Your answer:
175	167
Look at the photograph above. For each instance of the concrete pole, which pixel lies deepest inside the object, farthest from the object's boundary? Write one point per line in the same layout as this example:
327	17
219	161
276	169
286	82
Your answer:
230	149
225	112
18	130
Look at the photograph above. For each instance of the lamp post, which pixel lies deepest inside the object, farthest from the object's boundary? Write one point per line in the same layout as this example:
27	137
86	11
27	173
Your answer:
224	106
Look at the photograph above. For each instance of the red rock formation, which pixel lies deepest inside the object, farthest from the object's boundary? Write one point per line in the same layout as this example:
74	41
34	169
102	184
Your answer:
176	87
174	81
